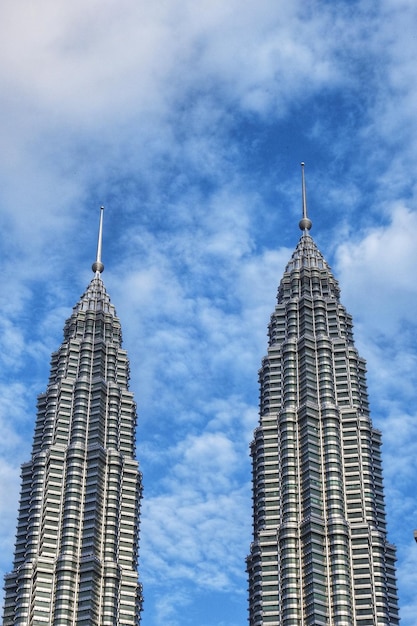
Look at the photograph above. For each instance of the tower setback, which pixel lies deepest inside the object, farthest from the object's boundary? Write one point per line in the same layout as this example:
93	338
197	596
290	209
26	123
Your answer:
320	554
76	547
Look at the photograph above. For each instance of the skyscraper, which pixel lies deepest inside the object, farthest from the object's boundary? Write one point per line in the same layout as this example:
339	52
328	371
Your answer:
76	547
320	554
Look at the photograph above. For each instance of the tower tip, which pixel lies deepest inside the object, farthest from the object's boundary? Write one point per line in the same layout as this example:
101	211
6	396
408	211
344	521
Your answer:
305	223
98	266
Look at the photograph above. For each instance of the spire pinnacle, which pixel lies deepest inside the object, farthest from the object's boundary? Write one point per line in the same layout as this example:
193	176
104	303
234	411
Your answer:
305	223
98	266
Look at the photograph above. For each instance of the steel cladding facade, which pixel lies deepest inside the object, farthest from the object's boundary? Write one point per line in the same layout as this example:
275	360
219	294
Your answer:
77	536
320	554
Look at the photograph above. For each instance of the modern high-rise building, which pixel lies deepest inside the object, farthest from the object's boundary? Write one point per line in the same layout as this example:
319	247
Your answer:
320	554
76	547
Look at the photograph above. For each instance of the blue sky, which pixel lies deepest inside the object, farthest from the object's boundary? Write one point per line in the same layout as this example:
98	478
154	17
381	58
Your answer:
188	121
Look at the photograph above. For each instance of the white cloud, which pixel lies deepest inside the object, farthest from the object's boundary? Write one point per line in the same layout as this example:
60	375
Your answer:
377	273
188	120
91	62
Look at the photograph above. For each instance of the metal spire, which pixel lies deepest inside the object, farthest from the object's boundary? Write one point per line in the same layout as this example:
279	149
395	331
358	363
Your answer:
305	223
98	266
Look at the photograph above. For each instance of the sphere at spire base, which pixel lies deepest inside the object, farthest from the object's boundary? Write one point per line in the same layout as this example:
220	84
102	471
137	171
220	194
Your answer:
305	223
97	266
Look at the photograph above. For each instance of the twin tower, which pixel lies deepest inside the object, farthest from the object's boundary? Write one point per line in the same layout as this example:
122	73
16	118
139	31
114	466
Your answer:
319	555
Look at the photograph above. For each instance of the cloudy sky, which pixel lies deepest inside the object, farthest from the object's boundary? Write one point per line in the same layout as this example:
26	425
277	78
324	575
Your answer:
188	121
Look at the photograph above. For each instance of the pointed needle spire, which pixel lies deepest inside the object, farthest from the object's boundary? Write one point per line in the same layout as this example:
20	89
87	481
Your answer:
305	223
98	266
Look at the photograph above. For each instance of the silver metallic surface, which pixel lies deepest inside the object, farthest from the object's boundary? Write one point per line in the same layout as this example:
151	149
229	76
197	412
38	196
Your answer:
305	223
320	554
98	265
76	550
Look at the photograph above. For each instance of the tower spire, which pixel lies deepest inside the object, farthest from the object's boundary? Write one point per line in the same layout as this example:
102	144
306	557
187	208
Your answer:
305	223
98	266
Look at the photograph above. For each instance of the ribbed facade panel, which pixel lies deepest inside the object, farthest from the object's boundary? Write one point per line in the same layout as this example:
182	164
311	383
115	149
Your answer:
77	535
320	554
